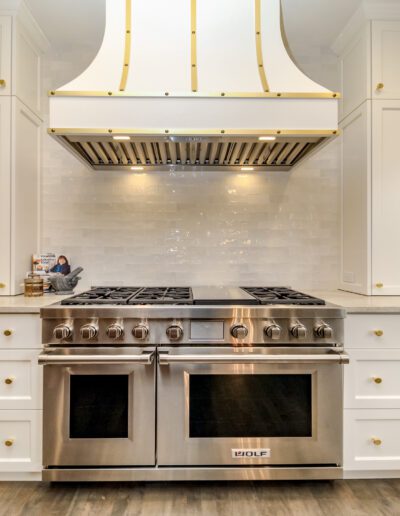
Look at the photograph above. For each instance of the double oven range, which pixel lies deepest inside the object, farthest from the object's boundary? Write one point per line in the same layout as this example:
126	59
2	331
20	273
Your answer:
192	384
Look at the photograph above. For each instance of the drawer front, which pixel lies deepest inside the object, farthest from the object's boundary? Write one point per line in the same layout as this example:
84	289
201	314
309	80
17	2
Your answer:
372	331
372	379
20	380
20	331
371	439
20	440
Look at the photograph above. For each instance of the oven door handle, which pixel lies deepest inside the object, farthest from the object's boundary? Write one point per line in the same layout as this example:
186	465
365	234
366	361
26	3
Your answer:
337	358
54	359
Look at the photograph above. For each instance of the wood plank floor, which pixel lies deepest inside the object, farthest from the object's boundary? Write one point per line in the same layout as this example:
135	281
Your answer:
347	498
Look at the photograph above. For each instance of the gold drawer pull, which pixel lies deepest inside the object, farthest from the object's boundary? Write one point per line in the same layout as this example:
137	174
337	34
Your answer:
378	333
379	285
9	442
3	285
377	380
2	83
8	381
8	333
376	441
380	86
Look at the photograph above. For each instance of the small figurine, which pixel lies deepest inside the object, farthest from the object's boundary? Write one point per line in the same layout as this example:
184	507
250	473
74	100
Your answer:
64	285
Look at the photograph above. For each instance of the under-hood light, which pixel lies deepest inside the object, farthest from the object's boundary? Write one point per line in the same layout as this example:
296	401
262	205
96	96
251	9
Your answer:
247	169
137	169
121	138
267	138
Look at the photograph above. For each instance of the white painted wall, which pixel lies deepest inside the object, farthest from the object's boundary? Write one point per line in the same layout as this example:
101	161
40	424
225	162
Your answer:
193	228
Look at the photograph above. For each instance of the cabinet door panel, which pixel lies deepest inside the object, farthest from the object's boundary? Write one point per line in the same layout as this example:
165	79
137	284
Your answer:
5	55
385	198
385	59
5	197
356	174
25	185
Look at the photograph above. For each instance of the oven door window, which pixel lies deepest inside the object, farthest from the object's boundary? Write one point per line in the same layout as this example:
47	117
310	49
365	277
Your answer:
99	406
250	405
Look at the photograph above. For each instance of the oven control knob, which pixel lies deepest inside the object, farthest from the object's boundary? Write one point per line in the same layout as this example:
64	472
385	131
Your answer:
62	331
174	332
140	332
239	331
273	331
324	331
115	331
89	331
299	331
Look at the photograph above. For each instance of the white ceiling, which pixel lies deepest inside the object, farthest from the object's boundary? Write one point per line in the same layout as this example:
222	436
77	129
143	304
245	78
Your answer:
70	24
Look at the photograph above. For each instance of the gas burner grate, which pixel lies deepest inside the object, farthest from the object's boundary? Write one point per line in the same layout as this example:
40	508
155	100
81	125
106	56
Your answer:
282	296
132	296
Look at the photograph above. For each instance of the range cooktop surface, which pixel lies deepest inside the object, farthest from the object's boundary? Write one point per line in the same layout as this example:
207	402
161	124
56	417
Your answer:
191	296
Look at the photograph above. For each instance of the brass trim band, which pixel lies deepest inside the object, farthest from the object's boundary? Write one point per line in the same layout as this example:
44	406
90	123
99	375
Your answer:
193	39
128	40
195	132
284	95
260	61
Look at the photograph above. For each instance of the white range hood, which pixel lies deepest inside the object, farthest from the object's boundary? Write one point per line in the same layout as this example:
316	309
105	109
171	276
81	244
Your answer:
193	83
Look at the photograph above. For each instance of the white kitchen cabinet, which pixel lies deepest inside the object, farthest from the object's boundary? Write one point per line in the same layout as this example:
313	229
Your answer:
370	71
21	43
372	440
356	173
385	45
5	55
372	331
20	440
19	331
385	197
20	380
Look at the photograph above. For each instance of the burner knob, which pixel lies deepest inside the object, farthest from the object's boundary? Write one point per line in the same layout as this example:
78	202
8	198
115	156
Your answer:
174	332
299	331
273	331
89	331
239	331
324	331
115	331
62	331
140	332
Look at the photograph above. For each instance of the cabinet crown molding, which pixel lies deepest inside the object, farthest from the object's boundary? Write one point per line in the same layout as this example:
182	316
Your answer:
369	10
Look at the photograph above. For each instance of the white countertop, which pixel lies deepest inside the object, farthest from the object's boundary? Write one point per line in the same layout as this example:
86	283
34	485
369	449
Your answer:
353	303
356	303
27	305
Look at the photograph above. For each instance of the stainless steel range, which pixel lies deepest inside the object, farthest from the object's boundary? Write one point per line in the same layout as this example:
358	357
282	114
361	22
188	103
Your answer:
192	384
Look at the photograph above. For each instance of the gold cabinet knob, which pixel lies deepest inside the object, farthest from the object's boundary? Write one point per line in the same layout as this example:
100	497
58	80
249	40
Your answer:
9	442
378	333
376	441
7	333
3	285
8	381
2	83
380	86
377	379
379	285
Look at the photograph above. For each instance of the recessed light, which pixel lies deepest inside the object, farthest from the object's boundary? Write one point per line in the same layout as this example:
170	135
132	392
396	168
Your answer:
136	168
248	169
267	138
121	137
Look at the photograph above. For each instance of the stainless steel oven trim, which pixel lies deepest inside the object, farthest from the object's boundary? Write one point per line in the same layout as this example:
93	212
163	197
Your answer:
138	448
176	449
56	357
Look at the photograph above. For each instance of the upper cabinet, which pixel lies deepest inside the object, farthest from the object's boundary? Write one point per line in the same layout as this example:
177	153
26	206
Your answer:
5	55
385	50
370	65
21	45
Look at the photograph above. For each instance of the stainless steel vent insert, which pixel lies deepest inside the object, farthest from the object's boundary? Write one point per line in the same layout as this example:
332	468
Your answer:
113	151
